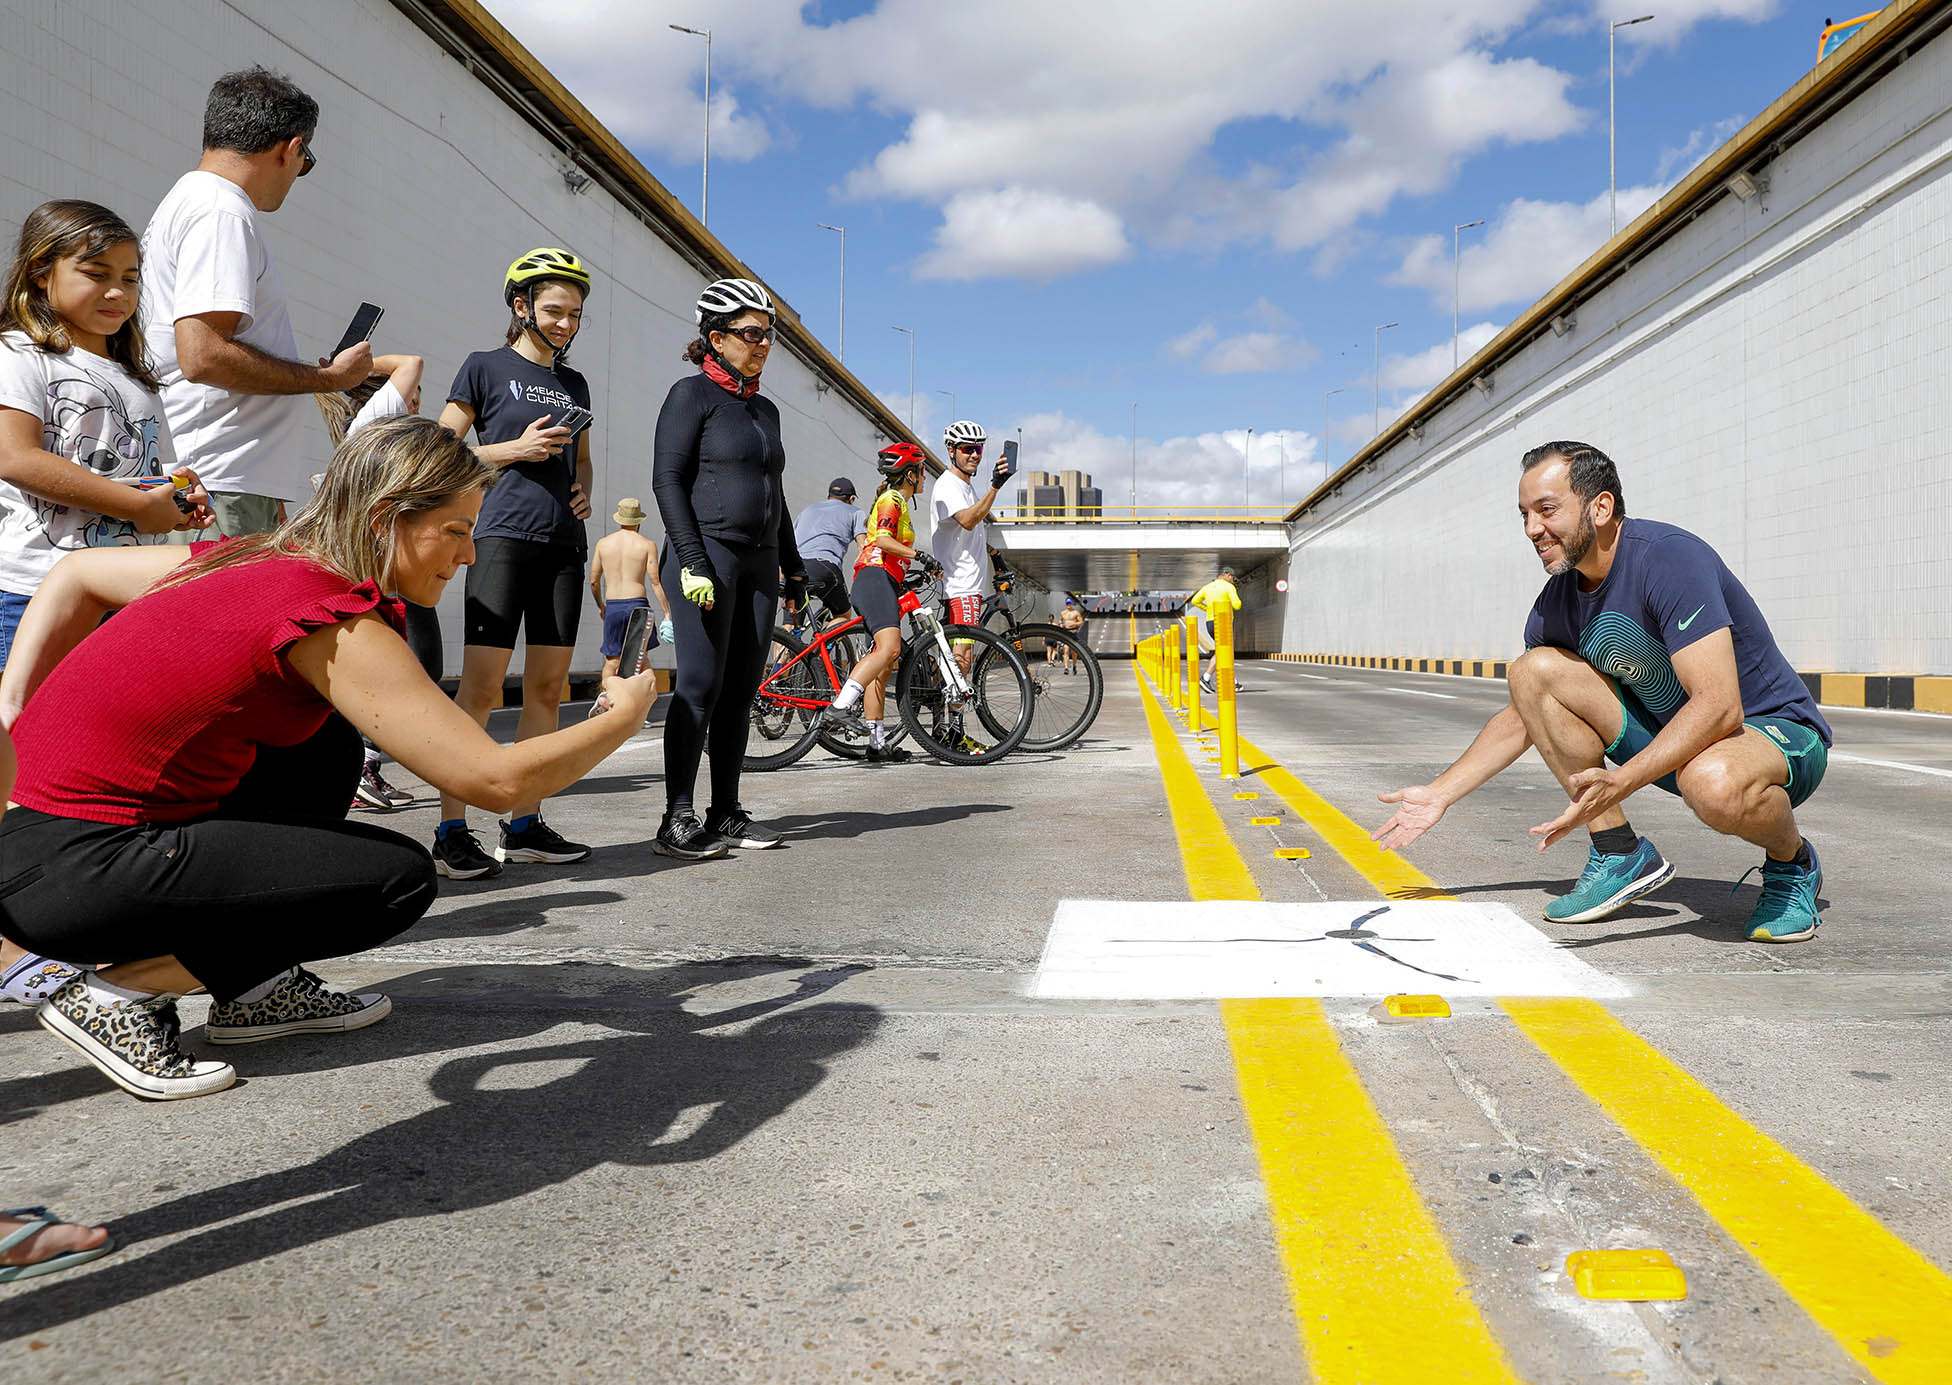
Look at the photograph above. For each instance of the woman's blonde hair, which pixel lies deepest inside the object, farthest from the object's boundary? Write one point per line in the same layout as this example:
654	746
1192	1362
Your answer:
58	231
382	474
340	407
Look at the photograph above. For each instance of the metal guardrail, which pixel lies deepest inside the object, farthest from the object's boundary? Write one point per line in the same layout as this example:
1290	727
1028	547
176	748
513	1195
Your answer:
1142	514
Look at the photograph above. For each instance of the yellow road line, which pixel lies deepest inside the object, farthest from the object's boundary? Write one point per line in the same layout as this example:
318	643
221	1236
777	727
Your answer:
1887	1305
1884	1302
1376	1294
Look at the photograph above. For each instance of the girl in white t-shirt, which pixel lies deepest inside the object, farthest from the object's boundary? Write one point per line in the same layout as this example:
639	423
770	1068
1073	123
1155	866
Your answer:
81	425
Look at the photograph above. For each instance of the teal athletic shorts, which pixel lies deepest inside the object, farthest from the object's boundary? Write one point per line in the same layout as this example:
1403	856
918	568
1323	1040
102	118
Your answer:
1802	748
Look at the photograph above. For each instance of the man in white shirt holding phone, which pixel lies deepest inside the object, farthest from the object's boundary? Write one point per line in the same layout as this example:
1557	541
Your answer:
957	515
217	323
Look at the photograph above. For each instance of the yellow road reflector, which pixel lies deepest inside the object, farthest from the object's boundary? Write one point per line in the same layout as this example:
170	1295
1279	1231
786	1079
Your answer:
1265	822
1245	795
1291	853
1417	1007
1626	1274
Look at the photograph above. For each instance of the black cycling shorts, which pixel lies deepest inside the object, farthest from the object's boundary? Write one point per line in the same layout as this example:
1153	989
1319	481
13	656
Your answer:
877	600
521	585
824	581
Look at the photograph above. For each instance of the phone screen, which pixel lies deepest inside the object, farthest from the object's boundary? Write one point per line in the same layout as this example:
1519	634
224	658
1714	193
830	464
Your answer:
361	328
1010	453
637	634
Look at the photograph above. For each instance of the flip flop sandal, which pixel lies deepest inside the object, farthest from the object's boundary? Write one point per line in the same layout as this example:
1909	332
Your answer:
39	1219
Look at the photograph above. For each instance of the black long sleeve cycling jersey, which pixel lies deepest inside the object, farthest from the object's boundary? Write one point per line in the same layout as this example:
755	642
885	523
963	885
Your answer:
717	468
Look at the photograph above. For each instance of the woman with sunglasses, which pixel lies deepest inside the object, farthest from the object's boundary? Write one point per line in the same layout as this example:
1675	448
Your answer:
717	475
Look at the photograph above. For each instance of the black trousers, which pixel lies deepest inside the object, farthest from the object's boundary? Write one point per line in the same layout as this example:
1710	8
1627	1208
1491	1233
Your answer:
275	877
721	658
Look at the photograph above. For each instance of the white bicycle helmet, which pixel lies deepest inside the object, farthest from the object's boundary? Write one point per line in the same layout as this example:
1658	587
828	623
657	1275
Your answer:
963	431
730	297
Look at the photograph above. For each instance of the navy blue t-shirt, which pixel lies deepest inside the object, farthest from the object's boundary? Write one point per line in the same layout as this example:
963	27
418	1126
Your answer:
1668	589
508	392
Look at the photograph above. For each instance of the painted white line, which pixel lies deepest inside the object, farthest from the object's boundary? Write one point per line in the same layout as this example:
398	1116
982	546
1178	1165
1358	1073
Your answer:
1893	764
1231	949
1319	677
1419	692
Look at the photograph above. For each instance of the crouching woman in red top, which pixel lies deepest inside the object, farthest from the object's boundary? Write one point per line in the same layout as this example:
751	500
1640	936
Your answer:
179	818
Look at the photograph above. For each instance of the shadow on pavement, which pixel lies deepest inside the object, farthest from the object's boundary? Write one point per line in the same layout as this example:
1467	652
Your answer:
491	916
1717	913
853	824
494	1138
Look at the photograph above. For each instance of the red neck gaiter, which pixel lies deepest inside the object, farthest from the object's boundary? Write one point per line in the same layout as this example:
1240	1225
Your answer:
738	385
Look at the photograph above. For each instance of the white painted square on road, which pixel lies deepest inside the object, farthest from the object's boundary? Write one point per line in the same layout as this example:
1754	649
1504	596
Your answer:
1218	949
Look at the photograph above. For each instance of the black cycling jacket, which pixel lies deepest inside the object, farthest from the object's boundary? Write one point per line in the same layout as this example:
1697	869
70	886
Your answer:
717	468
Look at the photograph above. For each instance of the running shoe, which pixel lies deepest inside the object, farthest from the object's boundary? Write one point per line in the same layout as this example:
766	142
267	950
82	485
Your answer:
737	829
133	1042
33	979
375	792
685	837
1609	883
298	1004
848	722
459	856
540	842
1786	913
888	755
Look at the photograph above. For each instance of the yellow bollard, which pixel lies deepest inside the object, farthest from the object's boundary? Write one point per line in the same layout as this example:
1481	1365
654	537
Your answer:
1223	679
1193	671
1172	668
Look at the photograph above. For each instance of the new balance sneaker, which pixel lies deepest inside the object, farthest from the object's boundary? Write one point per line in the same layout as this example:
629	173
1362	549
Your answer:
889	755
33	979
133	1042
539	842
737	829
459	856
685	837
1610	883
1786	913
298	1004
375	792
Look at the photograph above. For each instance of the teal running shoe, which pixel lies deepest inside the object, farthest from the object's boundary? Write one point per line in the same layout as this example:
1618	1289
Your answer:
1786	913
1609	883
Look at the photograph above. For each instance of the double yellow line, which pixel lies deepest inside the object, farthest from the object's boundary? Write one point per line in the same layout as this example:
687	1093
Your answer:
1377	1296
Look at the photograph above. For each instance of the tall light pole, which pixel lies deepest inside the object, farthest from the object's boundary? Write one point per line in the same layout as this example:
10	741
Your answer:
1612	126
911	375
1456	232
952	404
840	351
1376	421
705	190
1282	499
1247	471
1326	396
1135	463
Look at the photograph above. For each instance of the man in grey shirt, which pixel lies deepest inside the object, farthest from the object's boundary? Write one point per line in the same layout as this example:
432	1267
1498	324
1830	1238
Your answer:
823	532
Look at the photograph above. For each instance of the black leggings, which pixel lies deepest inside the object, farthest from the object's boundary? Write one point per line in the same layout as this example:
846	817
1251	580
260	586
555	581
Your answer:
721	657
275	877
424	638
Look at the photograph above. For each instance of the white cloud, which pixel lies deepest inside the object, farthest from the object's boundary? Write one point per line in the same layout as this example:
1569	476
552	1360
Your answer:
1253	353
1020	233
1528	248
1674	18
1187	345
1426	368
1208	469
1699	144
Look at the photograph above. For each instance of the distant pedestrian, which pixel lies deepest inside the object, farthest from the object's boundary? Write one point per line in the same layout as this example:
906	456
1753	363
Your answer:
1222	592
824	532
623	576
219	327
1071	618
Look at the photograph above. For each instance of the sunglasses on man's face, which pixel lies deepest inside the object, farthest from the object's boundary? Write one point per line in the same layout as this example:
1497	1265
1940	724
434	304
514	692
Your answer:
751	336
305	152
974	449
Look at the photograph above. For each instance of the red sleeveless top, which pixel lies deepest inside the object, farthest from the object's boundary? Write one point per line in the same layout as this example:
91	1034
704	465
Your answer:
156	716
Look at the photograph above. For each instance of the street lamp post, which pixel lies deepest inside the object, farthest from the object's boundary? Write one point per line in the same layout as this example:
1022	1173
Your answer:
1376	420
840	350
952	404
911	375
1326	396
1456	232
1135	462
1612	126
705	190
1247	472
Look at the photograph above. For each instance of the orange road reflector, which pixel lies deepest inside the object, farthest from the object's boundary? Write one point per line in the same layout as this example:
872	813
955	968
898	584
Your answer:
1291	853
1245	793
1416	1007
1635	1275
1265	822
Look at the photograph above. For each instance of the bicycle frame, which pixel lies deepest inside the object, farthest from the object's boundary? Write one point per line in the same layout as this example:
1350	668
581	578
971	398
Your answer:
927	626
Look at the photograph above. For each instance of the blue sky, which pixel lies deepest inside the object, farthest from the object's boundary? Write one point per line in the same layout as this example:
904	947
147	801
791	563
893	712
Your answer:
1203	211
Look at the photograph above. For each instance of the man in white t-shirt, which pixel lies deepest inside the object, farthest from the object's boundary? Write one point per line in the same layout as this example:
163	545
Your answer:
956	522
214	311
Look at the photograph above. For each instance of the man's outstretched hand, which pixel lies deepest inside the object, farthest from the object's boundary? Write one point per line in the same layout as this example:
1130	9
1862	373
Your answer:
1593	791
1418	809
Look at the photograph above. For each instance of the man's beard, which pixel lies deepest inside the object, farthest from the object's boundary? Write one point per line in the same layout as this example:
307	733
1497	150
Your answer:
1578	546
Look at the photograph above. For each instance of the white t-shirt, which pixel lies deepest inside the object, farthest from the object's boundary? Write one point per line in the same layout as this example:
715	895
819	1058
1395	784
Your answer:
386	402
204	252
95	414
960	551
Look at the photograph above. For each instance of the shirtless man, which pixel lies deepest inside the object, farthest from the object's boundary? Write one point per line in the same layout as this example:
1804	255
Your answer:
622	565
1071	618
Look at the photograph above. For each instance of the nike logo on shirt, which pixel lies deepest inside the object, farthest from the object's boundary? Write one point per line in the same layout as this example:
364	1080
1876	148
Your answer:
1690	620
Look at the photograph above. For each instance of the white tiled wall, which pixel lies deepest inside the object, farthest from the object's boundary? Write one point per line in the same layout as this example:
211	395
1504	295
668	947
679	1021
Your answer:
1776	377
428	185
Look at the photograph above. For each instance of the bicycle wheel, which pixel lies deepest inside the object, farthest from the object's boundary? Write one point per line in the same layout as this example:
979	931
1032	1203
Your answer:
1065	703
847	650
782	725
974	730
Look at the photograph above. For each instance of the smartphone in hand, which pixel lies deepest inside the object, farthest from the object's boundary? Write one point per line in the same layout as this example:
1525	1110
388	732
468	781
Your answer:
637	634
360	329
575	418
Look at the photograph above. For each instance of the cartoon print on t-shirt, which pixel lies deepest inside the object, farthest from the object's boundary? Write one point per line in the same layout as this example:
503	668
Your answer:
86	422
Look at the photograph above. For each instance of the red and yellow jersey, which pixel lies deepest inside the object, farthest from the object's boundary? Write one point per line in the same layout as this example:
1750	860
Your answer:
889	518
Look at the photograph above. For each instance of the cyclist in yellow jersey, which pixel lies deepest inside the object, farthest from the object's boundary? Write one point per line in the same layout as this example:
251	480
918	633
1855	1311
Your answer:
1221	591
886	551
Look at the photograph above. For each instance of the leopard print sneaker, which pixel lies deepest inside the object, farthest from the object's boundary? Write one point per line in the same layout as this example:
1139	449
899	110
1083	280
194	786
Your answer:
298	1004
133	1042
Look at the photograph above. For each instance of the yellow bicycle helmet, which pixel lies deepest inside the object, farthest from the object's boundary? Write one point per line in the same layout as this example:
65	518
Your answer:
544	262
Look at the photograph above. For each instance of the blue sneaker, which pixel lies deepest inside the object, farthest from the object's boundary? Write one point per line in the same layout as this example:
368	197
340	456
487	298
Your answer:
1786	913
1609	883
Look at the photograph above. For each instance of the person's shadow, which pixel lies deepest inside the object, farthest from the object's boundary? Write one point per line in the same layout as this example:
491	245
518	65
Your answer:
493	1139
